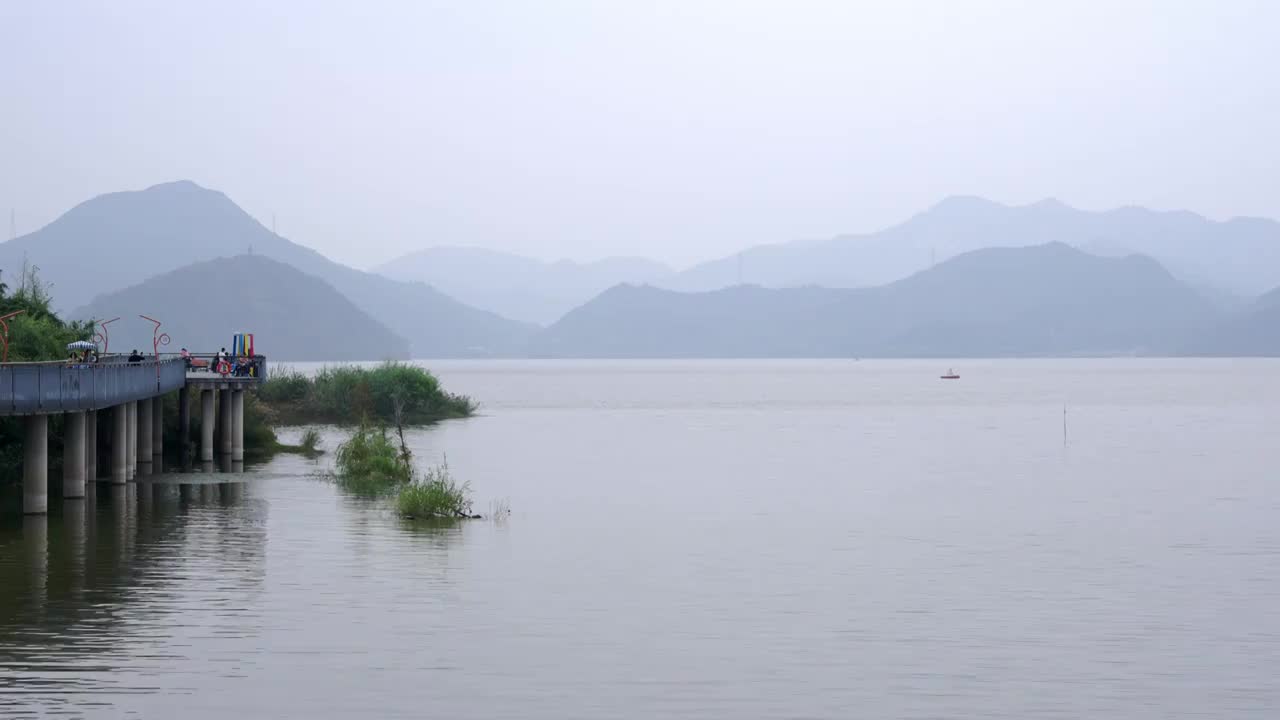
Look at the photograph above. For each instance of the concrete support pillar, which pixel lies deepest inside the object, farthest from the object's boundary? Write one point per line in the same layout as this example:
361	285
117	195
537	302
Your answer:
73	455
237	425
206	426
131	442
157	431
35	466
184	425
144	436
120	444
91	446
224	421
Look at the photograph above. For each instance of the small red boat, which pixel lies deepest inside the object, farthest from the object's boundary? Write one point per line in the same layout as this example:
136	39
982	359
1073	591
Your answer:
951	375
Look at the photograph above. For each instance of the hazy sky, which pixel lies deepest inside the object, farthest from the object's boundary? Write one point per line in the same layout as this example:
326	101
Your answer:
679	130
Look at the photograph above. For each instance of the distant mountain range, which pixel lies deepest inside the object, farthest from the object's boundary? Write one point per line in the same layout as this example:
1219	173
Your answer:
121	239
204	304
1236	257
1008	281
519	287
1253	331
1045	300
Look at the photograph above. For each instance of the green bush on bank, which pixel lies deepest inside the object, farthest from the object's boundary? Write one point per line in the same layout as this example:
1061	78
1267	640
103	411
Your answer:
370	464
349	394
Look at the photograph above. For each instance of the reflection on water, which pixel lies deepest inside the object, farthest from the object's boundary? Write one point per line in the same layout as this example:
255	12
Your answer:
700	540
100	577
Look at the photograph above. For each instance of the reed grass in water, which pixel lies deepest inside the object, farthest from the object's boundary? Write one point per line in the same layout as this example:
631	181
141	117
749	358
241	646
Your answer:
435	495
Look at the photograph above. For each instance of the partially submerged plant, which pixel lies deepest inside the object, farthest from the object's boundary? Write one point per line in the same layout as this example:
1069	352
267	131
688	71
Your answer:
369	463
310	441
436	495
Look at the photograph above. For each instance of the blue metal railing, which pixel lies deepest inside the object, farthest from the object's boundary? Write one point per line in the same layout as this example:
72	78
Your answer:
53	387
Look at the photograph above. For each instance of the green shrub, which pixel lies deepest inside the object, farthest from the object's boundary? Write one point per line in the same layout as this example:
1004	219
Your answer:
349	394
259	437
370	464
434	495
284	384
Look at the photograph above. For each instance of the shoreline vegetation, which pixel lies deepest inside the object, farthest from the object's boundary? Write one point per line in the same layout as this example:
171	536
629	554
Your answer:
392	392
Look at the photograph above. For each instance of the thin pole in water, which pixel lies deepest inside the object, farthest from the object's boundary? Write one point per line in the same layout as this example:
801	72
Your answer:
1064	425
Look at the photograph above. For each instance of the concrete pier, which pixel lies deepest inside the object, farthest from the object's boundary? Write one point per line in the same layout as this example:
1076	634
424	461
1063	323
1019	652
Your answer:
157	432
35	466
119	444
135	437
237	425
184	426
144	436
225	415
206	426
131	442
91	446
73	455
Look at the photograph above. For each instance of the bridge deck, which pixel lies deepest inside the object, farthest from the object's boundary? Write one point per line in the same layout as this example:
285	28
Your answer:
43	388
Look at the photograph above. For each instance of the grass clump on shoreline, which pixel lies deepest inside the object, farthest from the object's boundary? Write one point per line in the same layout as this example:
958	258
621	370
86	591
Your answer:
350	394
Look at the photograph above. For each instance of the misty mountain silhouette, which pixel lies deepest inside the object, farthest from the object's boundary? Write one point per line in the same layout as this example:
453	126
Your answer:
1240	256
203	304
120	239
1254	331
519	287
1043	300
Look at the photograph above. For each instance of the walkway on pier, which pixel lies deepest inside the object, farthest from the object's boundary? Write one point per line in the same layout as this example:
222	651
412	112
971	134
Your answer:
132	395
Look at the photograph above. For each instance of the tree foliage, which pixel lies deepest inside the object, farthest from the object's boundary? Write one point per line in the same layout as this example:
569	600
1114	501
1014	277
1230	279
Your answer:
38	333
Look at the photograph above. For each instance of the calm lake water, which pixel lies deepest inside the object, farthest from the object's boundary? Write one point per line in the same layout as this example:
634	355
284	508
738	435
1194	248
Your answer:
703	540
